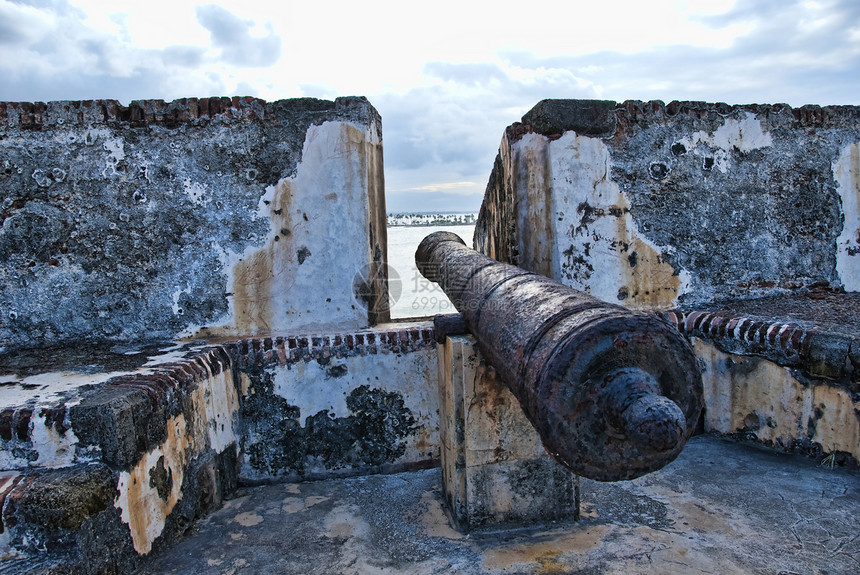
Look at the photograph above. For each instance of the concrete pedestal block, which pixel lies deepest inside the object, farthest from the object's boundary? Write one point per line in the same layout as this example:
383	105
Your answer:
496	473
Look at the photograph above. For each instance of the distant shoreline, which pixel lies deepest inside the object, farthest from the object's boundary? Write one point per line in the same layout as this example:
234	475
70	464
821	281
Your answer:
427	219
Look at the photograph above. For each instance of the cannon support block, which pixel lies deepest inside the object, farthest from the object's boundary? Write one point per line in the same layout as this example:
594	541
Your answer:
495	469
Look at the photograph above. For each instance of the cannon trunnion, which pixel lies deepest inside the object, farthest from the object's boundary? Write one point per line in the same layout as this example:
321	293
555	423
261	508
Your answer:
613	394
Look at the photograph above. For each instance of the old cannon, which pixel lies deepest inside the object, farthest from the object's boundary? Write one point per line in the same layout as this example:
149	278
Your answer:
613	394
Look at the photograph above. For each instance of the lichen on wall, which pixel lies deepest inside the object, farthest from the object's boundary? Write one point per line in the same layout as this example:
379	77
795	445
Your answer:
335	408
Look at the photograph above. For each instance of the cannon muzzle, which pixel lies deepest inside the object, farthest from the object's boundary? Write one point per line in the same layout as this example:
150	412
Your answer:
613	394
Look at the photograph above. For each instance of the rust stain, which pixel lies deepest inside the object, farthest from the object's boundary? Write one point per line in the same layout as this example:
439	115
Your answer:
254	278
854	169
537	240
425	442
854	174
263	280
490	393
541	556
144	510
650	281
364	176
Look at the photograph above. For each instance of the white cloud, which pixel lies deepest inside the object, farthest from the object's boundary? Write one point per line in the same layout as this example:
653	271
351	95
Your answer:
234	37
447	77
465	188
52	50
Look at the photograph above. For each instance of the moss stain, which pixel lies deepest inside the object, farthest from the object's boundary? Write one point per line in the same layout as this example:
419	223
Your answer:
276	442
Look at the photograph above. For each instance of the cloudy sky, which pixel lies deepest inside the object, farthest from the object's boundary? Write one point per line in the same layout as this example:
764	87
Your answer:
447	76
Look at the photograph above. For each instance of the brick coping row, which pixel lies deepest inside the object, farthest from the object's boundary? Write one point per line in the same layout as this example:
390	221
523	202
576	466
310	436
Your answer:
57	114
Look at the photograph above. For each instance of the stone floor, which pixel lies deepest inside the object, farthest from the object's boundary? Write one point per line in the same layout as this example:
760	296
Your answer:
722	507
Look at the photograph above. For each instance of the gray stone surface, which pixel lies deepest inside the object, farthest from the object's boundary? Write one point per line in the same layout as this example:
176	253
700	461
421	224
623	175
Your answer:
655	205
122	224
721	507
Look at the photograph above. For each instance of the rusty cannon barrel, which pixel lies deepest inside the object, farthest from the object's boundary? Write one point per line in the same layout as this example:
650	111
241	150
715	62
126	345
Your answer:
613	394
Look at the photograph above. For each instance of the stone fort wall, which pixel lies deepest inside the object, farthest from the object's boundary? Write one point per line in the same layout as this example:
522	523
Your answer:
192	218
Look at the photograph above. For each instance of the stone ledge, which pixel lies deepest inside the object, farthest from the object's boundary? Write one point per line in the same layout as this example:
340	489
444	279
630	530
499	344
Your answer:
143	400
41	115
814	332
782	371
389	338
609	119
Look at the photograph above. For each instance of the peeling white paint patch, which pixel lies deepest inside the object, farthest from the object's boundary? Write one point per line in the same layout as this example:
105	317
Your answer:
846	172
195	191
217	404
305	386
115	148
177	310
116	153
263	209
211	425
312	388
301	275
744	135
46	389
93	135
598	247
141	506
54	450
318	290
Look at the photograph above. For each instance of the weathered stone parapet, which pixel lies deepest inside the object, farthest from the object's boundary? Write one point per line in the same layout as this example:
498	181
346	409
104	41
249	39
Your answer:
100	474
45	116
353	402
756	399
783	371
657	206
271	351
171	437
41	115
813	332
214	217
